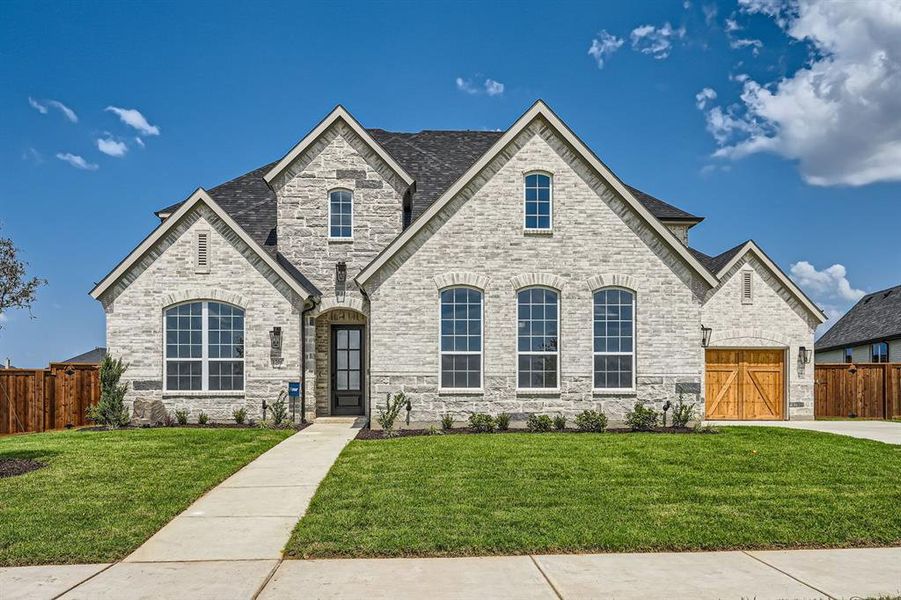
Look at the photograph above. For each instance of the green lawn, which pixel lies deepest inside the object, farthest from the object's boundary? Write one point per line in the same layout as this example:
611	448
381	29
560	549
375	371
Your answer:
103	493
747	487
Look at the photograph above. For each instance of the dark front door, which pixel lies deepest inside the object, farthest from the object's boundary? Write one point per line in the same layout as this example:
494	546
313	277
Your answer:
347	370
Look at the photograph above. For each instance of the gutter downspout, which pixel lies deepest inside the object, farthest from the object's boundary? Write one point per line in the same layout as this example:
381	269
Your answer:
303	360
368	354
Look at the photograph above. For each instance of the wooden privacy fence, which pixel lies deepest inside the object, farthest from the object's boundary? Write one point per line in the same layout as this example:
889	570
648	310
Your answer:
865	390
33	400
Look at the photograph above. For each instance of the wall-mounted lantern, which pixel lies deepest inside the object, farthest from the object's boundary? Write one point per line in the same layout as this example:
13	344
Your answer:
340	280
275	340
705	335
805	355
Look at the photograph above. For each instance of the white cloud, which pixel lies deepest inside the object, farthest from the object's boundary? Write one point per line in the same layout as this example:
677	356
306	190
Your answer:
67	112
31	154
710	11
704	96
112	147
754	45
656	41
837	116
465	85
139	142
77	161
37	105
488	86
493	88
829	289
133	118
731	25
603	47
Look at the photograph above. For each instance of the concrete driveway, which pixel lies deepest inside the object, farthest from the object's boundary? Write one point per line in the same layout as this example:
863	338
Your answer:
880	431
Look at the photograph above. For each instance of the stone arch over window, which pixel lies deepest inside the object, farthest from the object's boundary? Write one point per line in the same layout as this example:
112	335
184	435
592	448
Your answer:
330	304
205	293
743	336
604	280
461	278
548	280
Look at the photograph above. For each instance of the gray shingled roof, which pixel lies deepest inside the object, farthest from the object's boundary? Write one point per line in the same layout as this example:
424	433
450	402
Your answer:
876	317
92	357
715	263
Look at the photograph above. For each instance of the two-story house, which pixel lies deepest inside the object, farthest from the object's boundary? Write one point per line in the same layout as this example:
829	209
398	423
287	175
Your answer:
476	271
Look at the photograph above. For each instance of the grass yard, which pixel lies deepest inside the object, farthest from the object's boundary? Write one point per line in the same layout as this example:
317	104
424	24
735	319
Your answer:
104	492
747	487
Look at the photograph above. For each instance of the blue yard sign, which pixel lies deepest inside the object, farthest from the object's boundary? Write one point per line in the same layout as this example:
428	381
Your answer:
294	389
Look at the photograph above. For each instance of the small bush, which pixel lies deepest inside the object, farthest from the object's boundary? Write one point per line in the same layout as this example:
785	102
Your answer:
559	422
447	422
503	421
432	430
168	419
539	423
591	421
481	423
239	415
279	410
682	414
388	416
181	416
110	411
642	418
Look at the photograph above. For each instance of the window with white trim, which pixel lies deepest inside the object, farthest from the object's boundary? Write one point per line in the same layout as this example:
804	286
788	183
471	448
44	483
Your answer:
204	347
614	339
461	338
341	218
538	202
537	338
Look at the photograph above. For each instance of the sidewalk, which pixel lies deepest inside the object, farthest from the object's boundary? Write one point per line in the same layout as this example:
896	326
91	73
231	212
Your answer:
793	574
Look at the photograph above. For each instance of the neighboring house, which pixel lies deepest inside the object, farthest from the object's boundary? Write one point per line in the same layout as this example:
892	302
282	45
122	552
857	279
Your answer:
91	357
477	271
869	332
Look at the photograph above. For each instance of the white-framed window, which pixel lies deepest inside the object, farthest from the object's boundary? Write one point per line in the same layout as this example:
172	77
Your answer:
341	215
204	347
538	202
538	336
614	339
880	352
461	338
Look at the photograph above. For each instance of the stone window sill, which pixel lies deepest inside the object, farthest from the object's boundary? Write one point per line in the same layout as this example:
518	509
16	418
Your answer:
614	392
202	393
547	232
332	240
537	391
461	391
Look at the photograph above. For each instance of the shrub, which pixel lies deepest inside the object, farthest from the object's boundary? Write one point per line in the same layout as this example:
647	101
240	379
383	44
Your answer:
683	413
203	418
239	415
481	423
279	410
110	411
591	420
432	430
168	419
559	422
539	423
181	416
447	422
503	421
387	416
642	418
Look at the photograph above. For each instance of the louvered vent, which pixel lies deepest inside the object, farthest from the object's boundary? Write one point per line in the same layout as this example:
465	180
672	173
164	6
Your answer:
202	257
747	296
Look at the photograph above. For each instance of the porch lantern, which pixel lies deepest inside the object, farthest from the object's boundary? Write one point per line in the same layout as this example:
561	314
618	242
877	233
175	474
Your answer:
705	335
340	280
804	355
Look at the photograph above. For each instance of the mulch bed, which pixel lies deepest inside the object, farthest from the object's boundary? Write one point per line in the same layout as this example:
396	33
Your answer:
296	426
378	434
10	467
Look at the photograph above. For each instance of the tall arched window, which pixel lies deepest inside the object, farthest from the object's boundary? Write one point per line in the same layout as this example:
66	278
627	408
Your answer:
461	338
341	215
204	347
537	338
538	202
614	339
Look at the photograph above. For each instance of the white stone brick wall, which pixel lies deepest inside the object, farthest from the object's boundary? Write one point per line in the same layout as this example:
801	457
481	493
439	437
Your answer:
166	275
775	319
596	238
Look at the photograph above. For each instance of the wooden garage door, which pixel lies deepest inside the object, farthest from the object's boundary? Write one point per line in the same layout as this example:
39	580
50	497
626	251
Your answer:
745	384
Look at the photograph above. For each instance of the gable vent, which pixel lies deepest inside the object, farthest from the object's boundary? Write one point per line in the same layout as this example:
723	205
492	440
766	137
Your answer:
747	296
202	252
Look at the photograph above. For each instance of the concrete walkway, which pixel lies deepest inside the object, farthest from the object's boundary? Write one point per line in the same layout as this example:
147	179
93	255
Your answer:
880	431
787	575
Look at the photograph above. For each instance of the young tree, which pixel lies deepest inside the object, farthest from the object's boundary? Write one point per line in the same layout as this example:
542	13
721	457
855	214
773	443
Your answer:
15	290
111	411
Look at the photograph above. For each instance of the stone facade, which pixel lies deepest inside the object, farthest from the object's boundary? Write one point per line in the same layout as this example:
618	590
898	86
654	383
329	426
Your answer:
597	240
166	276
773	319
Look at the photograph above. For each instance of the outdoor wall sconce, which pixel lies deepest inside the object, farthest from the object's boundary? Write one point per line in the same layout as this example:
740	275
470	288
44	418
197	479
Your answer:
275	339
705	335
340	280
804	355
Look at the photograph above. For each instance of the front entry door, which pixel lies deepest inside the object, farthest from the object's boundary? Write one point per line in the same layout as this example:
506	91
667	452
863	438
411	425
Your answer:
347	370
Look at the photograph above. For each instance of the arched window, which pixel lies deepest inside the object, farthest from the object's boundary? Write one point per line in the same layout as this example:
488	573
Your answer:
537	338
538	202
614	339
204	347
341	215
461	338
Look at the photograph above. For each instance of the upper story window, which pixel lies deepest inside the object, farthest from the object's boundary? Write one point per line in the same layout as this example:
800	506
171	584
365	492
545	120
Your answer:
461	338
849	355
341	215
614	339
538	339
204	347
538	202
880	352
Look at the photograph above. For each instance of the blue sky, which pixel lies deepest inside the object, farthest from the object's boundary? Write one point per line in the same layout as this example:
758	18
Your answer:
221	90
